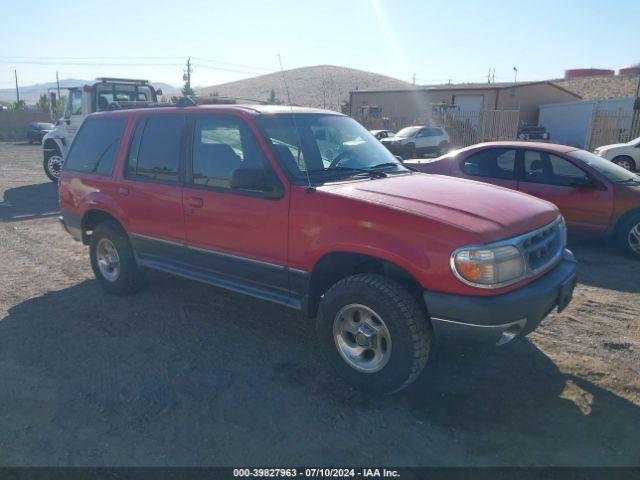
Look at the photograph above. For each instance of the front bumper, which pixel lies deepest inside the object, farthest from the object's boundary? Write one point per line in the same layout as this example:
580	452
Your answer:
501	318
71	225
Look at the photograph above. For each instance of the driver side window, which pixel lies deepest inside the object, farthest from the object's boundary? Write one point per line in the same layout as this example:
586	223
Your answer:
222	144
543	167
74	104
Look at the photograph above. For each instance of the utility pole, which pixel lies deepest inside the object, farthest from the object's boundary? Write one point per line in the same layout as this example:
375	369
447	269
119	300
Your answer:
58	83
187	75
414	79
15	72
515	76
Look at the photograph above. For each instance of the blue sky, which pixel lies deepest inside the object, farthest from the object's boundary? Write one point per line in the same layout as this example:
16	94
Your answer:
435	39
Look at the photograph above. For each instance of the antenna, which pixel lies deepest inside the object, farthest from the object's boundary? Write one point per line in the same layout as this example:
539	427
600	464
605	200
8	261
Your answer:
310	188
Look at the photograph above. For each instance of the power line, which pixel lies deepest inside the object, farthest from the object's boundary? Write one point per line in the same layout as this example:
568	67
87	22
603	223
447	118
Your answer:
252	67
111	64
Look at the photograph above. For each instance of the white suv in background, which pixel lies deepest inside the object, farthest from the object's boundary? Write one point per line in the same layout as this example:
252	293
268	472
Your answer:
627	155
418	140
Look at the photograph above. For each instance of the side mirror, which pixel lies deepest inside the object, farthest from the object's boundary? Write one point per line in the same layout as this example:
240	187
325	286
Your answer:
584	183
248	179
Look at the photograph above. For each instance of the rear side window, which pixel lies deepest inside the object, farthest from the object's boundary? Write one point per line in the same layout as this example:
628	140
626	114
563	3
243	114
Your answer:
155	152
491	163
95	147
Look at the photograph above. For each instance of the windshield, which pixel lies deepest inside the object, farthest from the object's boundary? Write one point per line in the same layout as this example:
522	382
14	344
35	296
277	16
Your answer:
407	132
610	170
325	145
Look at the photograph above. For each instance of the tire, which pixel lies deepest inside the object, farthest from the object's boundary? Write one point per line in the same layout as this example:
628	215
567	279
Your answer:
442	148
411	151
401	340
625	162
52	164
628	235
125	276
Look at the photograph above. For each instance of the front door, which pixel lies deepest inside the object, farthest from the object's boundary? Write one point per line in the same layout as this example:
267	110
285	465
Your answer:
236	235
587	210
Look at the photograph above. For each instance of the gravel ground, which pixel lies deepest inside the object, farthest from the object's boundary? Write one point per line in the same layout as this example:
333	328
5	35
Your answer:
185	374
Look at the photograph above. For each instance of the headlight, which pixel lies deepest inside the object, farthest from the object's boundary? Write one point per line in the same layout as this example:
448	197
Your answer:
488	267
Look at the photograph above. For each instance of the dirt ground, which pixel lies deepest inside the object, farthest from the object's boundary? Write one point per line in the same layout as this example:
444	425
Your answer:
185	374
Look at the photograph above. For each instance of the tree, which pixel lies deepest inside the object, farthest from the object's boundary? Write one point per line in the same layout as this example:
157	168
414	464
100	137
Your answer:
345	108
19	105
43	104
187	91
273	100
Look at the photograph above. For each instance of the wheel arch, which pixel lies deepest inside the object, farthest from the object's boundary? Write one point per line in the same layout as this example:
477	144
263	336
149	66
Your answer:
334	266
92	218
627	157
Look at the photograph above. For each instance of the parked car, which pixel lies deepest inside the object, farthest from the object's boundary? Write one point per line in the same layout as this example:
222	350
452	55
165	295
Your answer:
103	95
37	130
627	155
380	134
532	132
414	141
597	198
384	258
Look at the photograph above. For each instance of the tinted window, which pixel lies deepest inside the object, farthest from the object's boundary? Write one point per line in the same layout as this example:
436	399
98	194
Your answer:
95	147
221	144
74	104
542	167
492	163
155	153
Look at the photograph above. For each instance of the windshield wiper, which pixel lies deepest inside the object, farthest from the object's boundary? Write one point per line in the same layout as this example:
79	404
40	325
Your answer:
367	172
386	164
629	180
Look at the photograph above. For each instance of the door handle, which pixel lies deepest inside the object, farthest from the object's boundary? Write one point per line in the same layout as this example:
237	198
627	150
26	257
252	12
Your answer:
123	191
195	202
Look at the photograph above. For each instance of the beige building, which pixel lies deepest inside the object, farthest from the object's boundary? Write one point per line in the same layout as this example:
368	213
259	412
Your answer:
399	108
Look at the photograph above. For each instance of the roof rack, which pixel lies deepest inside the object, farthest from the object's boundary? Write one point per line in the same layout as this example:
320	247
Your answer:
122	80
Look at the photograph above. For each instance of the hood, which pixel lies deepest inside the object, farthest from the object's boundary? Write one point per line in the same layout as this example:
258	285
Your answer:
493	212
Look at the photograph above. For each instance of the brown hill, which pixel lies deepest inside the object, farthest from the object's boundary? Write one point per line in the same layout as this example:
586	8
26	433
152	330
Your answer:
591	88
323	86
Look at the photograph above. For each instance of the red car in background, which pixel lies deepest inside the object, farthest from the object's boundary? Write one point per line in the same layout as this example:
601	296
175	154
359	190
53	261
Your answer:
596	197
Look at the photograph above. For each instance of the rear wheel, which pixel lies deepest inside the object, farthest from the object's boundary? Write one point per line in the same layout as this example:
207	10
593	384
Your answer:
373	333
112	260
629	235
625	162
53	164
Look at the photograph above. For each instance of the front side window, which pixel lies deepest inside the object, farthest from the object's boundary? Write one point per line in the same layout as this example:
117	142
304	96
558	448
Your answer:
74	104
492	163
222	144
407	132
95	147
543	167
155	153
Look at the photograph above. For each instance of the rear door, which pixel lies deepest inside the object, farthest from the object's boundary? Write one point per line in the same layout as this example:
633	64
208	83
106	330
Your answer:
237	236
151	191
491	165
587	211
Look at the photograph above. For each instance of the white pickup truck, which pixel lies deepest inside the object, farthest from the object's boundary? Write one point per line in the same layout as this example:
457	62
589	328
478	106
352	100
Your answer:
104	94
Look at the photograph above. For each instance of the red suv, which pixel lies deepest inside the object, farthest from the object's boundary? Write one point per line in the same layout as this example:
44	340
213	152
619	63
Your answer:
307	209
597	198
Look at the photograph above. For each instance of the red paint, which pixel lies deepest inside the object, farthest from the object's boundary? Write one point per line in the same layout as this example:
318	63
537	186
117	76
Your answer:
588	212
414	221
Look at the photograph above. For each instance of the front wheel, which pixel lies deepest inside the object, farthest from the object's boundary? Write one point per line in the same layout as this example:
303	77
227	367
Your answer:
53	164
629	235
373	333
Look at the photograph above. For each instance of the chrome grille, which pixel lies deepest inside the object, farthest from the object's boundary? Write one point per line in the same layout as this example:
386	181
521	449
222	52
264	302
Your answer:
544	246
